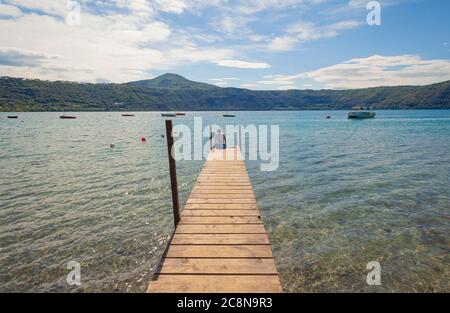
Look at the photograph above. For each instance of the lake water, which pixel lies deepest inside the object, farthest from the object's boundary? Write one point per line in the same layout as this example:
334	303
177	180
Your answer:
346	193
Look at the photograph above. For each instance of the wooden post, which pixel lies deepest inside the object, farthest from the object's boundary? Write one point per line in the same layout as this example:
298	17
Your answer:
173	174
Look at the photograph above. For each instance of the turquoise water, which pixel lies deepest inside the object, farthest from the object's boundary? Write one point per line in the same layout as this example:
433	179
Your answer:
346	193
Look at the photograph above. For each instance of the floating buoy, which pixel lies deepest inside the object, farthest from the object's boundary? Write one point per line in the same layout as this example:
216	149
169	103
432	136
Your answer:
112	145
143	139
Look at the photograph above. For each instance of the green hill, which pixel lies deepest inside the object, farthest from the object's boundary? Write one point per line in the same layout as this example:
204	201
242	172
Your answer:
174	92
171	81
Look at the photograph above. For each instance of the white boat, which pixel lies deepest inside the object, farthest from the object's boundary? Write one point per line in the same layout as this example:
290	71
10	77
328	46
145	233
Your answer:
361	112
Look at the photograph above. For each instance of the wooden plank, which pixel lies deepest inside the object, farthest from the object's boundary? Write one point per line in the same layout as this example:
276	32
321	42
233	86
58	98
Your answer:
220	239
221	213
221	229
218	266
221	187
224	165
220	190
224	181
199	183
223	184
235	173
220	244
196	195
223	177
233	170
221	206
211	166
230	188
223	190
225	170
223	201
230	173
215	283
220	220
219	251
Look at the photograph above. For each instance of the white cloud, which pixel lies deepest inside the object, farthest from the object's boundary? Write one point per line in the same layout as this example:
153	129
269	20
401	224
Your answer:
242	64
362	4
9	10
308	31
284	43
223	79
138	7
117	47
383	71
352	7
166	6
172	6
255	6
250	86
282	78
373	71
123	40
271	84
46	6
223	82
232	24
357	3
20	57
304	31
275	82
376	71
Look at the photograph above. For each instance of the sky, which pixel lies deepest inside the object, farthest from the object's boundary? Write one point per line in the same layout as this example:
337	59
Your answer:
254	44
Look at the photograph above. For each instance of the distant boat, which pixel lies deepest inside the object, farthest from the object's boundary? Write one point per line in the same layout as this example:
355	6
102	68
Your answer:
180	114
168	115
67	117
127	115
361	112
229	115
13	116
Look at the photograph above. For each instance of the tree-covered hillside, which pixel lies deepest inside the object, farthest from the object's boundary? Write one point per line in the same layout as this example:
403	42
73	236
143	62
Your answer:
173	92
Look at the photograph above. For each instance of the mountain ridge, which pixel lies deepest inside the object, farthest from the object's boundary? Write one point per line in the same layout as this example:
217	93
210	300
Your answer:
174	92
171	81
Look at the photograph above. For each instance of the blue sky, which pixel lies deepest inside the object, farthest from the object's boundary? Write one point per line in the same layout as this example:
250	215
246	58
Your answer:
255	44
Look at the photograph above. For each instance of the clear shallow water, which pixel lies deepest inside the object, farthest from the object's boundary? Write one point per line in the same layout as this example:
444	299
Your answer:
346	193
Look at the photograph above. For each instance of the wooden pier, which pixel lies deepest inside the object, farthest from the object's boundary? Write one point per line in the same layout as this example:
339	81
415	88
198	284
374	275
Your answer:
220	244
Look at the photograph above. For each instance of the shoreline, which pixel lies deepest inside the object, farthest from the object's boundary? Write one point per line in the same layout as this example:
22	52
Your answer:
188	111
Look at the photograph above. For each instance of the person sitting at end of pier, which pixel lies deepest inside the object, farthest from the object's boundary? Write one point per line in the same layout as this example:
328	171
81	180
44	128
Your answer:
220	141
